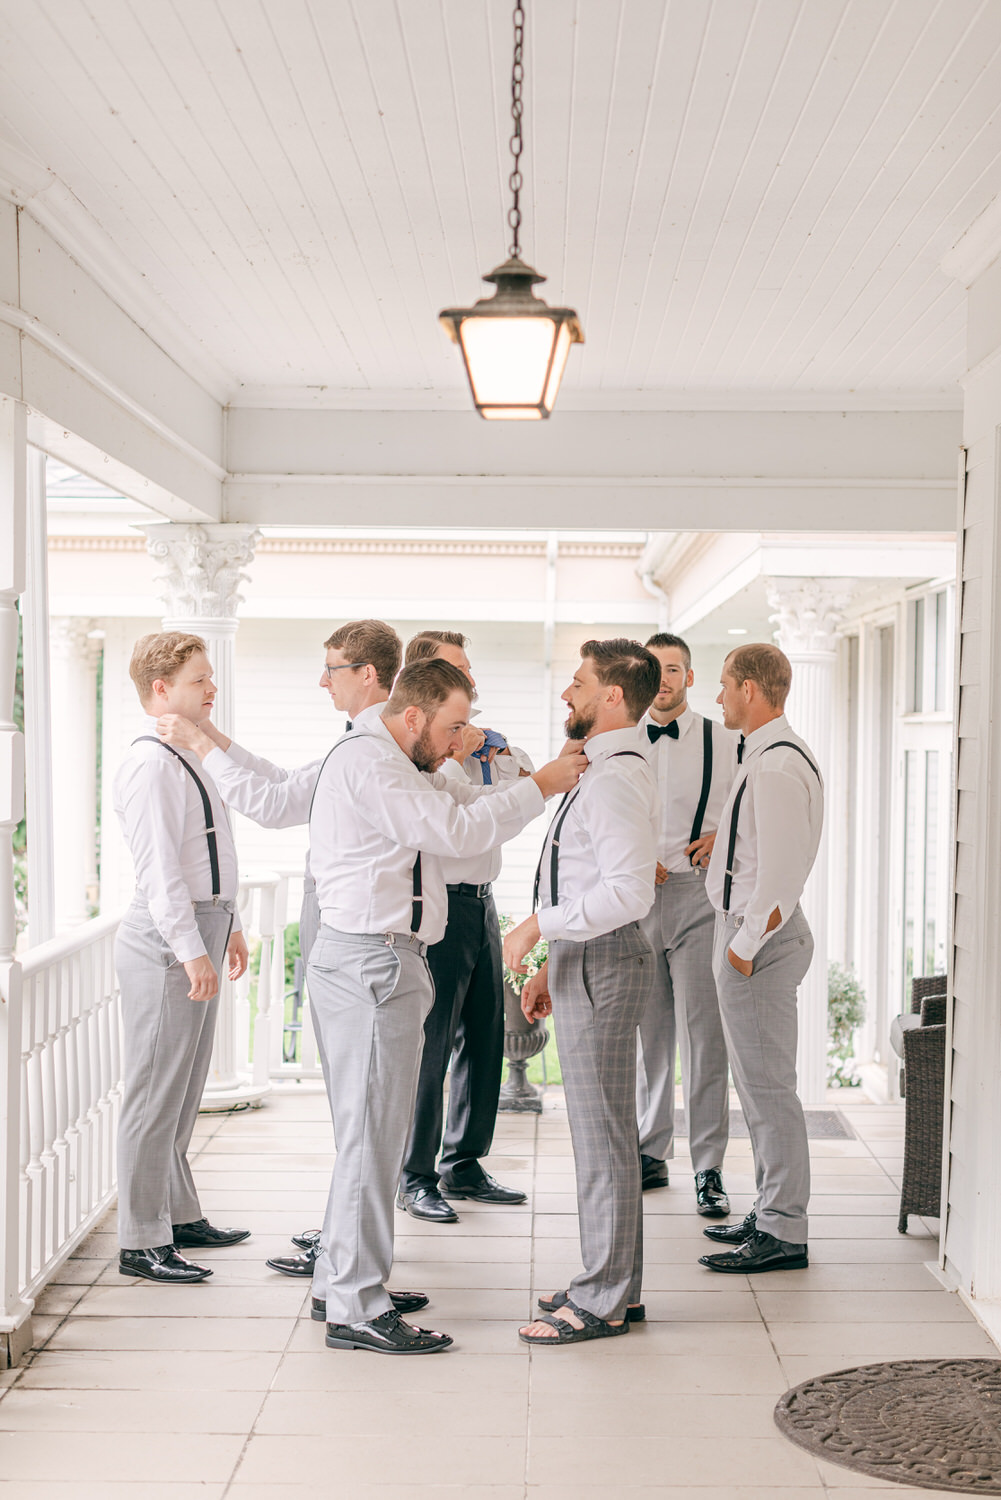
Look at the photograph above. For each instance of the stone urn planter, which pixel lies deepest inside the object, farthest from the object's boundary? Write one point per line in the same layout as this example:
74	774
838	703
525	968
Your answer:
523	1040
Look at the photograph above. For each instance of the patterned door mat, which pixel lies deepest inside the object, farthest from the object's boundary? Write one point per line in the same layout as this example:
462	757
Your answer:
821	1125
933	1423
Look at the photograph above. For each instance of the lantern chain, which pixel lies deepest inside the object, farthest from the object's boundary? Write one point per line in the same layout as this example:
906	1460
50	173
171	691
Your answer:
515	181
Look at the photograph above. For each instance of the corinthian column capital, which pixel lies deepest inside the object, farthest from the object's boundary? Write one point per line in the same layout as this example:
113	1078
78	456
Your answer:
807	613
203	567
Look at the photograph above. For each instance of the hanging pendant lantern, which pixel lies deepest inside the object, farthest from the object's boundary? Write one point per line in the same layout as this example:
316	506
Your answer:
514	347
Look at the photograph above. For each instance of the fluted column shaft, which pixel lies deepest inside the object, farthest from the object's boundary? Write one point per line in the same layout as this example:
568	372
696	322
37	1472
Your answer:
807	612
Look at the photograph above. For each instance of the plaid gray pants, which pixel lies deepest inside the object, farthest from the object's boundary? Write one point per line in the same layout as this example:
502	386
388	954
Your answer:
600	989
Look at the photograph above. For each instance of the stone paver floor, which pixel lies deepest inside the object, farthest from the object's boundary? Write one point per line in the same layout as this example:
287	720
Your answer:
226	1389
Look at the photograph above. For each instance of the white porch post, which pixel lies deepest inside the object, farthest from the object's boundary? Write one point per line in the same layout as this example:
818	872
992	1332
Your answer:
806	612
15	1313
37	711
204	567
74	656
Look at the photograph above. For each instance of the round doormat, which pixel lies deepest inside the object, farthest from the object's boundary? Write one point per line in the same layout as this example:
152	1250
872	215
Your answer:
935	1423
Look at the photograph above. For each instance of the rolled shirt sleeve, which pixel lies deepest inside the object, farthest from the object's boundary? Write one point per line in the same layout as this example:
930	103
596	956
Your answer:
784	859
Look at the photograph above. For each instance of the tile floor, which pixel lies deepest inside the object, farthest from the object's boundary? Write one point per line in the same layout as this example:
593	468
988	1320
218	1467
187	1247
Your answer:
226	1389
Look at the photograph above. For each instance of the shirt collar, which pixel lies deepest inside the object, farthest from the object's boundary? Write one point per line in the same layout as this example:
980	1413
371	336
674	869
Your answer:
366	716
766	735
601	746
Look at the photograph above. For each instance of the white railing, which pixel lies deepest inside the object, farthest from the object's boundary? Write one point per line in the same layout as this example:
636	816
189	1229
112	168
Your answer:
272	1030
61	1058
64	1027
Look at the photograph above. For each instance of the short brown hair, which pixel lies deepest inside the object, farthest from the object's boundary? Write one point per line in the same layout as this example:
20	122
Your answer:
628	665
424	645
665	641
426	685
373	643
765	665
160	656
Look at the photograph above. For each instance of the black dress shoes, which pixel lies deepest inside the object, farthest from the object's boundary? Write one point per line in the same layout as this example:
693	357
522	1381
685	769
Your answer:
485	1189
201	1235
403	1302
654	1172
161	1264
760	1252
426	1203
732	1234
710	1195
295	1265
387	1334
307	1239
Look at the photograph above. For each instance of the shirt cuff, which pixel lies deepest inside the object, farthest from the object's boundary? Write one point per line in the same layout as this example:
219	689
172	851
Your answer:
552	923
744	945
529	795
188	946
218	759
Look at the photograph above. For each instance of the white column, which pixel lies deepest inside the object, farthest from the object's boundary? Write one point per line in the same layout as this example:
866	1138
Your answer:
807	612
15	1313
37	711
74	653
203	569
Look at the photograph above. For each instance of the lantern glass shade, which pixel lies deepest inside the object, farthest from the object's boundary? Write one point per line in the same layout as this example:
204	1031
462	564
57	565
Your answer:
514	347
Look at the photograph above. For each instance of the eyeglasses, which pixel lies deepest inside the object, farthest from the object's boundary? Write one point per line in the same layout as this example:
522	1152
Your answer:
328	670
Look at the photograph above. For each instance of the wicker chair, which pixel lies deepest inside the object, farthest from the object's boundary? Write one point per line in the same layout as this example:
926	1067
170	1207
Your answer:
923	1051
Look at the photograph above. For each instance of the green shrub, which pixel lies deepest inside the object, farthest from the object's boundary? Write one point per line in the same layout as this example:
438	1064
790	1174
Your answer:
845	1014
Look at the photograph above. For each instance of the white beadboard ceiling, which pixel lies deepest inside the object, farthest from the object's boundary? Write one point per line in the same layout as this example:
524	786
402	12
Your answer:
737	195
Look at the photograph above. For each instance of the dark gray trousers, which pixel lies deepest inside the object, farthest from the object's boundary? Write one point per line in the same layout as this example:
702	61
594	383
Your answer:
600	989
167	1045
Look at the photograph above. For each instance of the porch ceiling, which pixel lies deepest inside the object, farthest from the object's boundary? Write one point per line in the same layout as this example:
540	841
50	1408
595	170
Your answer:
736	197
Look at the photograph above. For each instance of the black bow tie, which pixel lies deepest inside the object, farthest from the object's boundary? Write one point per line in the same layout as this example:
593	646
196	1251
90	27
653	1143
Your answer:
740	750
656	730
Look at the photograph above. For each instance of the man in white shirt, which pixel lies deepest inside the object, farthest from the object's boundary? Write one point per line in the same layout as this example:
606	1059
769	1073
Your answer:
362	659
694	760
171	945
768	839
382	821
466	1021
595	884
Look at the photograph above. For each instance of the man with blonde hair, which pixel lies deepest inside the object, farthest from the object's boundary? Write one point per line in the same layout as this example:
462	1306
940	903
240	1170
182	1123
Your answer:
769	833
181	927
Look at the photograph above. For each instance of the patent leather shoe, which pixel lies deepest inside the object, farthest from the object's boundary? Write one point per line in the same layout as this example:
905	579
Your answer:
201	1235
307	1239
403	1302
426	1203
161	1263
732	1234
295	1265
761	1252
654	1172
387	1334
710	1195
485	1189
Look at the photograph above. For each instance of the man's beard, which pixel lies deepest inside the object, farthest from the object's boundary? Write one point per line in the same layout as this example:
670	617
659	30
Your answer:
672	703
423	754
579	725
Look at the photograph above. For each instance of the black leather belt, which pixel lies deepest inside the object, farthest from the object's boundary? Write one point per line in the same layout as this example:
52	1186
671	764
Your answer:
470	890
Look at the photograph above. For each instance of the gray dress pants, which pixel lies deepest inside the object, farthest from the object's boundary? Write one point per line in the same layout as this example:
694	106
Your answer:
760	1024
600	989
683	1011
370	1000
167	1044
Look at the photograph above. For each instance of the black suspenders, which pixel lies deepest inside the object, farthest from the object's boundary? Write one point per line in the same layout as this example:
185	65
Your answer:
206	806
707	779
735	813
554	849
417	904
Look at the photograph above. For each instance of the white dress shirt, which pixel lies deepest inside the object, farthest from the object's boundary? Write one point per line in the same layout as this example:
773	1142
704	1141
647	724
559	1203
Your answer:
268	794
163	821
778	834
374	811
678	764
608	843
482	869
